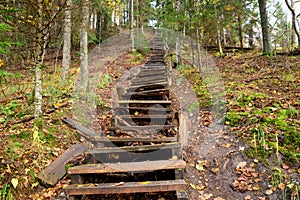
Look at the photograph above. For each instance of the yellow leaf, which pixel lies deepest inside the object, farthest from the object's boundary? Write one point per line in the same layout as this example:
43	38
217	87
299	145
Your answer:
136	113
228	145
192	185
202	187
146	183
14	182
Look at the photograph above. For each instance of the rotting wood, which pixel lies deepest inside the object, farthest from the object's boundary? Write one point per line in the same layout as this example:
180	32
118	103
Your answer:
83	131
57	169
127	187
122	120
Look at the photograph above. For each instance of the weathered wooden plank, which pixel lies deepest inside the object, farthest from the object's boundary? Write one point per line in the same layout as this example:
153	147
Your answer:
123	117
141	148
144	108
57	169
127	187
147	82
83	131
135	139
183	131
144	102
139	128
156	85
127	167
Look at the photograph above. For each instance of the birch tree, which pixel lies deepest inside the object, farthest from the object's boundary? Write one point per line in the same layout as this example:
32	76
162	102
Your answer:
67	40
84	71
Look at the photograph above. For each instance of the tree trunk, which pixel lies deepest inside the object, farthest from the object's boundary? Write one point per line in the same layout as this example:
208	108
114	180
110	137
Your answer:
240	30
39	55
67	41
84	71
99	27
294	20
251	33
265	26
131	26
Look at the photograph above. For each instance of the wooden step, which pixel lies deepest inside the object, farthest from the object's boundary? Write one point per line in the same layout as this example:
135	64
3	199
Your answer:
158	85
127	167
147	92
104	150
149	81
144	102
145	116
134	139
148	128
127	187
133	153
149	78
143	108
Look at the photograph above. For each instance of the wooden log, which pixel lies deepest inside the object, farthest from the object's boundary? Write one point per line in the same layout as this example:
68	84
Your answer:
57	169
125	188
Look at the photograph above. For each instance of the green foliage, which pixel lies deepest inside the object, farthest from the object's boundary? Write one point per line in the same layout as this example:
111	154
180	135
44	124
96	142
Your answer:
9	111
136	57
105	81
5	192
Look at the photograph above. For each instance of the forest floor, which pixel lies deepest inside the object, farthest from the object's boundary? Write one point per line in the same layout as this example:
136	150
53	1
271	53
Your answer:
256	155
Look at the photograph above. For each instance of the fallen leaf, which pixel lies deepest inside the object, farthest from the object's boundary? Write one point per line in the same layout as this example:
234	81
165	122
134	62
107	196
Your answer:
268	192
256	187
248	197
144	183
192	185
241	165
202	187
14	182
241	148
228	145
285	166
199	167
281	186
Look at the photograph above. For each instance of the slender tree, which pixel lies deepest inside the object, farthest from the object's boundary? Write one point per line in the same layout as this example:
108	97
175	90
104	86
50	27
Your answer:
84	71
291	7
265	26
67	41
